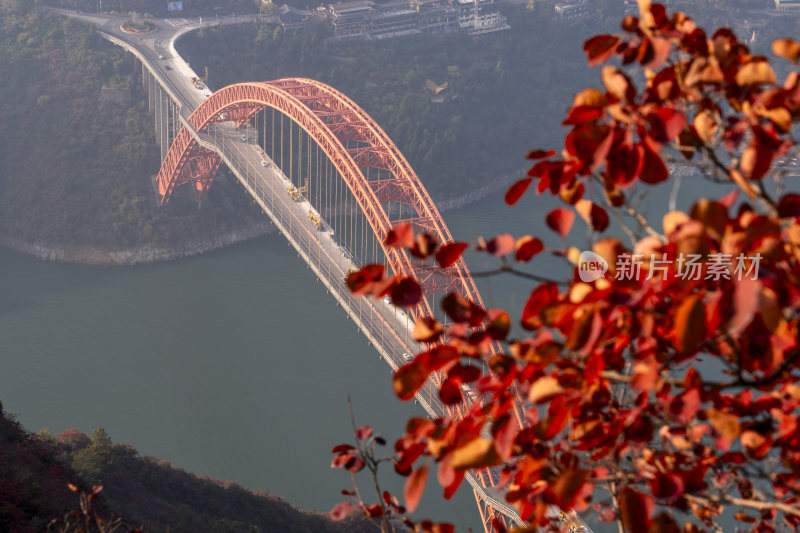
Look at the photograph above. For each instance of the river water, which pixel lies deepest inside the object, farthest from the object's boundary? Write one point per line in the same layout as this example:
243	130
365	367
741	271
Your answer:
235	364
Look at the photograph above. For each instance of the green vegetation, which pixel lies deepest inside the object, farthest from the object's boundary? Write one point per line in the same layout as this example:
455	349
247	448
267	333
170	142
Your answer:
76	168
35	471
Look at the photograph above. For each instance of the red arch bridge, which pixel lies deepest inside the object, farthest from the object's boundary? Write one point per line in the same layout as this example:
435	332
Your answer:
334	184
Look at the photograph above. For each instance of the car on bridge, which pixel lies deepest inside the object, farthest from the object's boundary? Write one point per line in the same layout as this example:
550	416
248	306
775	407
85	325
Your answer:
406	357
243	137
264	163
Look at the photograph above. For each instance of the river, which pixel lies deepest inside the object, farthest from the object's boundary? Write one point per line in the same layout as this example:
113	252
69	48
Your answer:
235	364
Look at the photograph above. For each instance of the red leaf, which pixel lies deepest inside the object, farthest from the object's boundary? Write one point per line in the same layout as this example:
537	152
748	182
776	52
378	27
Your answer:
406	293
566	488
438	357
341	511
400	236
374	511
361	281
635	510
342	448
666	124
461	310
560	220
600	48
789	205
450	392
540	154
501	245
667	486
415	486
449	253
594	215
363	432
756	161
516	191
541	296
654	170
527	248
424	246
499	324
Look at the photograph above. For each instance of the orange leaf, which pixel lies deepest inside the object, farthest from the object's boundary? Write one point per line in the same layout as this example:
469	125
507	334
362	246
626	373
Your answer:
408	379
590	97
787	49
427	329
516	191
560	220
415	486
567	487
690	325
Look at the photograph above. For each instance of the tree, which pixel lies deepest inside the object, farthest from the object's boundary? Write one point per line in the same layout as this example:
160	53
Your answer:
617	414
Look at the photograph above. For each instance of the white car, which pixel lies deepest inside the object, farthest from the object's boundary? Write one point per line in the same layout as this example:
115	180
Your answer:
207	95
407	358
264	163
243	137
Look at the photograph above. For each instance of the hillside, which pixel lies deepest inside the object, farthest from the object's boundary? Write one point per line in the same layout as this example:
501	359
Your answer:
76	162
146	492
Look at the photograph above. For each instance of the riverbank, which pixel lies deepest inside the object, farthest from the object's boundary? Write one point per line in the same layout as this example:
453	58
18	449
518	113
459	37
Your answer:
151	253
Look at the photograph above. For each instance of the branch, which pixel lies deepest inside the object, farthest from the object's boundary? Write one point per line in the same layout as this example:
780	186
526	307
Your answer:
741	502
508	269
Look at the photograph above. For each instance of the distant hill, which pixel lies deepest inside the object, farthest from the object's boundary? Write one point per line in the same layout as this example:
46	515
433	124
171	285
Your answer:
146	492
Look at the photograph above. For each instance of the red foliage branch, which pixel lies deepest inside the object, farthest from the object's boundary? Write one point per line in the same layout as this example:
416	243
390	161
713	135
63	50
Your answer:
607	371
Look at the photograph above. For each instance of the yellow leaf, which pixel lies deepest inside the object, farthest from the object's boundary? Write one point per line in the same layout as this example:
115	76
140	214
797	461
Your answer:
786	48
705	124
476	453
726	424
544	389
755	72
590	97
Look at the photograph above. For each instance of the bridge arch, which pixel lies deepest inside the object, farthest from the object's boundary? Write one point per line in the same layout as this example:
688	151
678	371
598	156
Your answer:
336	124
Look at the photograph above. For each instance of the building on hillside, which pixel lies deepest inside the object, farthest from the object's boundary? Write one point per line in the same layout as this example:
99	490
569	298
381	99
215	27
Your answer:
788	6
480	16
436	16
572	10
393	19
291	17
350	19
